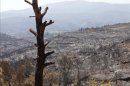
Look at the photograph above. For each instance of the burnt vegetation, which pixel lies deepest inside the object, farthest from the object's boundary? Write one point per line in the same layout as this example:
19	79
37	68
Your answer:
41	45
87	57
84	57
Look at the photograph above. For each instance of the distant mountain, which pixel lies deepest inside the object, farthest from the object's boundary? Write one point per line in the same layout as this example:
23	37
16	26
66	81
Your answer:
68	16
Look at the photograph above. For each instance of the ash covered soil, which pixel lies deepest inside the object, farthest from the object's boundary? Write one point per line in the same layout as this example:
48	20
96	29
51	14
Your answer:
103	51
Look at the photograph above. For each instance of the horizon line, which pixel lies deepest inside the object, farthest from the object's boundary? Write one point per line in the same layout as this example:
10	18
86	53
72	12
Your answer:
66	1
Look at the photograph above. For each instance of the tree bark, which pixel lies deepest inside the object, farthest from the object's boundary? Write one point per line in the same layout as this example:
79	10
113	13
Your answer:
41	55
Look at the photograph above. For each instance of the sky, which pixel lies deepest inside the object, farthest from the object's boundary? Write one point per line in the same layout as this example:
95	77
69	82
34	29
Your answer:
20	4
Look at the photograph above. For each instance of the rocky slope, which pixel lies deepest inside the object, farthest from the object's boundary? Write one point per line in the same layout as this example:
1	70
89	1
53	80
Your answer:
11	45
104	52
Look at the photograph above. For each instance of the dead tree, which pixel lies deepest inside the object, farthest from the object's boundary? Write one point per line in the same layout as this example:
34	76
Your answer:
40	27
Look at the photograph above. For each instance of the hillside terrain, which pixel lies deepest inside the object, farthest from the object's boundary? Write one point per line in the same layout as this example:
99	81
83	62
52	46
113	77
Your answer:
68	16
103	52
11	45
99	54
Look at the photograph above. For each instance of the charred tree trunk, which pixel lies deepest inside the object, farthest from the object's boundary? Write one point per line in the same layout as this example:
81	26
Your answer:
40	27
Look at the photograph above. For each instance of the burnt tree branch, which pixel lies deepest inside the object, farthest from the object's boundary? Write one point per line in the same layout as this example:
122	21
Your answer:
32	16
33	32
125	62
28	2
46	44
40	8
44	13
49	63
127	79
41	55
49	53
49	23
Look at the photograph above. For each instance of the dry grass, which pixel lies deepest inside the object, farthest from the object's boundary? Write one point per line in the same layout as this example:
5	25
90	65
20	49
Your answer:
100	83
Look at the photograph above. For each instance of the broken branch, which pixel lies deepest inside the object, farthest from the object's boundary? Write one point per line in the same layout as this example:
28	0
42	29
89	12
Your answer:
43	14
125	62
46	44
36	45
40	8
33	32
32	16
49	53
50	22
125	79
49	63
44	24
28	2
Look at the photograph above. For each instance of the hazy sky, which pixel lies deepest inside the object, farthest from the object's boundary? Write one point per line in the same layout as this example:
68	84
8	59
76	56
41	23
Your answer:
20	4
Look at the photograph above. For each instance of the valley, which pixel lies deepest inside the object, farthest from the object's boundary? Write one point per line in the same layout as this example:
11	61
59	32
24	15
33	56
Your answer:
103	52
